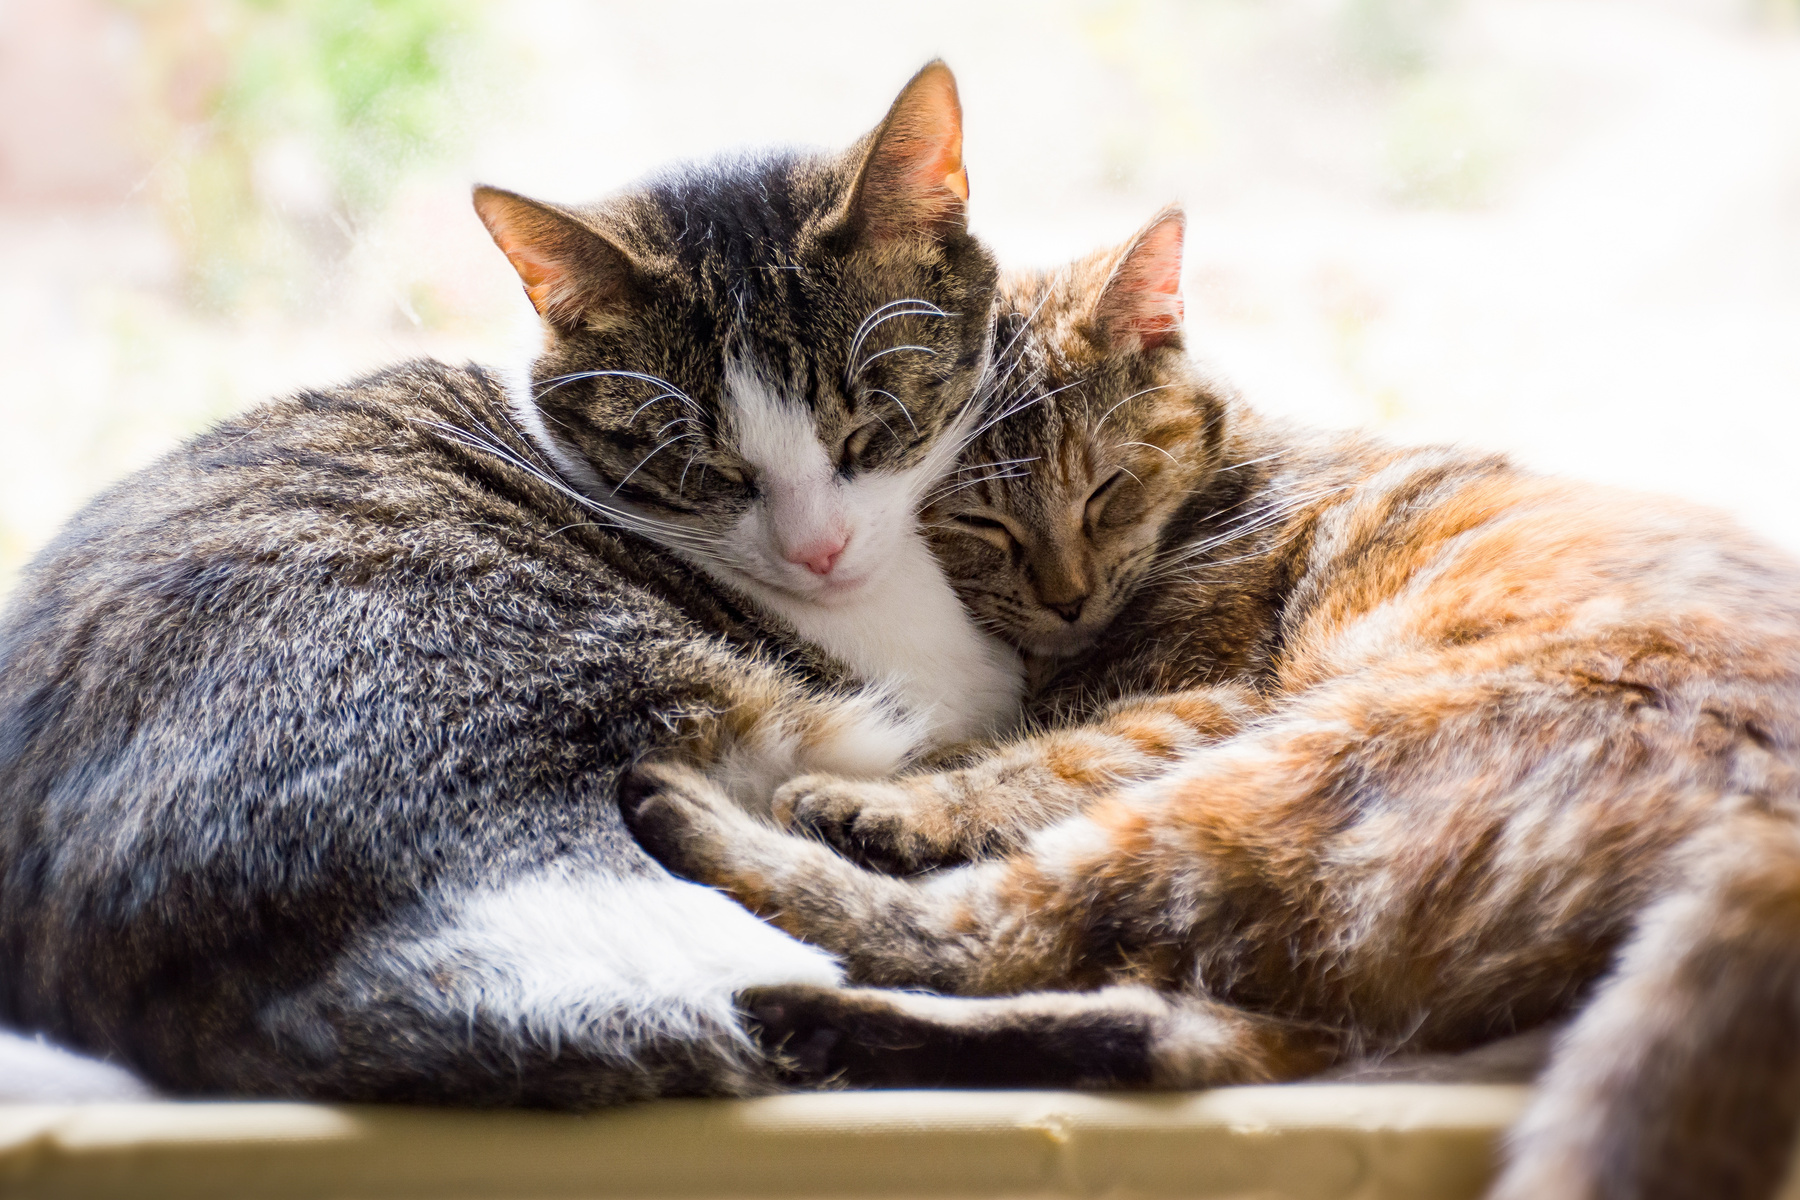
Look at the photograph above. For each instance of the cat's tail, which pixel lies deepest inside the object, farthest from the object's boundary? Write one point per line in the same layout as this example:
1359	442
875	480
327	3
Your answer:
1682	1078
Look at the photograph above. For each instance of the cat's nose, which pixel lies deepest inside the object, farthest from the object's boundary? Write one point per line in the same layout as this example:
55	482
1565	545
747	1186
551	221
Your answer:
1068	610
820	555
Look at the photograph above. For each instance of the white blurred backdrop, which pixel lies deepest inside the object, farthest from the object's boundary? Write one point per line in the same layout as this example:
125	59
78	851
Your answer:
1569	229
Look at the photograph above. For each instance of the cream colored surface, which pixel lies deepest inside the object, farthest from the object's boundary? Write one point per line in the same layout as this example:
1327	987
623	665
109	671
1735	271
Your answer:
1305	1142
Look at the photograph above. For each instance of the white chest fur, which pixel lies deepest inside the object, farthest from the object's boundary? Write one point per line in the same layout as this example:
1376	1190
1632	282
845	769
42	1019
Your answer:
907	630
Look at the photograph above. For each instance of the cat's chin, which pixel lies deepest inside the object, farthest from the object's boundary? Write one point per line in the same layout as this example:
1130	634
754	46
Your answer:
831	593
1062	645
825	593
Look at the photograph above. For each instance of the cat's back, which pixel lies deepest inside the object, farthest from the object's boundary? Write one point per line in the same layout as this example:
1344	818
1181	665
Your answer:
337	486
278	683
408	491
329	537
1440	550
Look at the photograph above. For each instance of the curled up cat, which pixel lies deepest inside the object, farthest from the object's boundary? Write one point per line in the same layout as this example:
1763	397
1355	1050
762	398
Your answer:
310	732
1344	748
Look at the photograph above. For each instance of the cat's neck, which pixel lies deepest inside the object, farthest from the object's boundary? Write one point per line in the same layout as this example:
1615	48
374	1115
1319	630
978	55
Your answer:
907	631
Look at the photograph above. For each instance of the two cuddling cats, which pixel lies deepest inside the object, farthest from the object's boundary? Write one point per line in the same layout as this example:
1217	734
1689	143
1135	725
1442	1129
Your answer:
316	738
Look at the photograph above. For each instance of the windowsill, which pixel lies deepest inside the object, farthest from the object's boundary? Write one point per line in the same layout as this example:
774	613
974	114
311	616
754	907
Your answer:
1435	1141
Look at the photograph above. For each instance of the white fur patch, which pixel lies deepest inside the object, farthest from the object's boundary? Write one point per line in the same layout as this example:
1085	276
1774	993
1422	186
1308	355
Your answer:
863	736
773	433
612	962
911	634
898	625
1066	850
525	410
32	1071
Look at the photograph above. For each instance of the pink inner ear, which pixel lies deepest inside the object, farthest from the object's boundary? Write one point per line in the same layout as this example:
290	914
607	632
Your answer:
567	270
937	168
546	281
1143	303
915	177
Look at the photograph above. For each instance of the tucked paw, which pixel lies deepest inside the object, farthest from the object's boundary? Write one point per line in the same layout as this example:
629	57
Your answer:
794	1025
885	824
680	818
823	1036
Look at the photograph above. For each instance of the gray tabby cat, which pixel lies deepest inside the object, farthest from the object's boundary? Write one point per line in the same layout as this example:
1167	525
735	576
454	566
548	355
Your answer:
310	733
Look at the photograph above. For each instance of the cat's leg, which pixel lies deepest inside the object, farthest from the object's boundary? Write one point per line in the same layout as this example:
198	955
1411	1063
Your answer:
1128	1036
931	932
1130	883
1682	1077
561	988
966	930
989	806
765	727
565	989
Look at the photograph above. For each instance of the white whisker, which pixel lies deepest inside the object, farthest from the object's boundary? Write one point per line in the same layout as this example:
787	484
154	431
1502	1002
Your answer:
1000	462
1270	512
487	442
944	493
1251	462
670	391
921	308
893	350
1158	449
1101	424
904	411
640	463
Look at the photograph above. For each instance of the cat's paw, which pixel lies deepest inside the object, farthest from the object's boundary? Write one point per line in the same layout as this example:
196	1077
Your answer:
794	1025
836	1037
680	818
890	825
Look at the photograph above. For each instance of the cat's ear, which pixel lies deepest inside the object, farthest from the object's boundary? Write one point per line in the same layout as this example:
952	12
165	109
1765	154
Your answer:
1140	304
911	182
569	270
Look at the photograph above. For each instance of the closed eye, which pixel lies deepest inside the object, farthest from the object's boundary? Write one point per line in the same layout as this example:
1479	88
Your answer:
1097	498
860	448
987	528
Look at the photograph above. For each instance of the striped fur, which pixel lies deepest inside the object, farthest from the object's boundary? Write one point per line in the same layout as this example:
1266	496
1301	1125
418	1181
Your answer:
1379	749
310	733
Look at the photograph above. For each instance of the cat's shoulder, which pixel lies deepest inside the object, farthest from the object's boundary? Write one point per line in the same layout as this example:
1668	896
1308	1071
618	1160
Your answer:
415	442
415	462
397	411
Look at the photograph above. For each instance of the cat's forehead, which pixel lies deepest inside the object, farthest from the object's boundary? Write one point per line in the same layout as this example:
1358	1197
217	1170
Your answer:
735	217
737	244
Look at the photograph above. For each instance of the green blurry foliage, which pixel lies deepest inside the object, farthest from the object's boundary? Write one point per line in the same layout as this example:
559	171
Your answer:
1447	139
282	127
1448	130
1392	37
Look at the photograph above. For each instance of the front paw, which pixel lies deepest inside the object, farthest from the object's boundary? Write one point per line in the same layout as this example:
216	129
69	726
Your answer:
681	818
885	824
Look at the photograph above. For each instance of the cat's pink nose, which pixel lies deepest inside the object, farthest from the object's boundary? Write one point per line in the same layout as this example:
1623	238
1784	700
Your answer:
821	554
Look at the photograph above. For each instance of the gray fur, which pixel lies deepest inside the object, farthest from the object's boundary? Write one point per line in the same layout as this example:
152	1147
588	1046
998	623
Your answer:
281	715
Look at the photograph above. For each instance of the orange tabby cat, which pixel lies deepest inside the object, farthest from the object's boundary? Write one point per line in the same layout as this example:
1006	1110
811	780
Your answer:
1377	748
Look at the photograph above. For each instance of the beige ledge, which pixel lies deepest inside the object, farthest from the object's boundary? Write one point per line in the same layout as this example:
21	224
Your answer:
1307	1142
1299	1142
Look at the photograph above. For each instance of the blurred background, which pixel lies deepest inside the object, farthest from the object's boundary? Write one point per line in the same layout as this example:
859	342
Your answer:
1565	228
